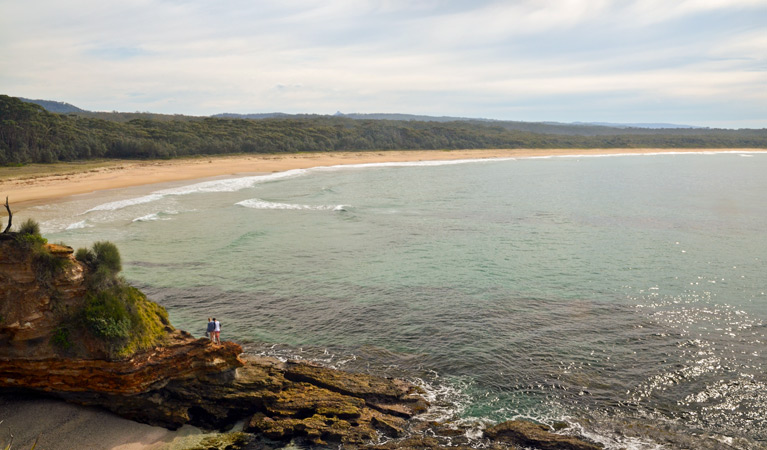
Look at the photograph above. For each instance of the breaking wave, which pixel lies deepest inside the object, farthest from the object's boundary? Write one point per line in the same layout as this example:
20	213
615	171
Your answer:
120	204
79	225
256	203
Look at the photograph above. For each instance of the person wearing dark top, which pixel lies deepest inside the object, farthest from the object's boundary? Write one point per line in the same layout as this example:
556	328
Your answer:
211	329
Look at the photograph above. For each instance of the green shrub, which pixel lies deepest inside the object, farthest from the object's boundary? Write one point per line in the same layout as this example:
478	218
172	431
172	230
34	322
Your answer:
107	257
85	256
123	318
106	316
31	240
60	339
46	264
104	263
30	226
103	255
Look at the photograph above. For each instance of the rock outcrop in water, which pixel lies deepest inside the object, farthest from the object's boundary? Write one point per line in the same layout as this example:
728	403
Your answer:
182	380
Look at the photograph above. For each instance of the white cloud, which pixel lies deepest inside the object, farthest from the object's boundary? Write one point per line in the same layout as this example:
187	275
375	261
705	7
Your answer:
646	12
437	57
747	46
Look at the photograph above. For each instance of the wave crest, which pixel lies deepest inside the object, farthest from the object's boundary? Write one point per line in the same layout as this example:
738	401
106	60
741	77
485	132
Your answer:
256	203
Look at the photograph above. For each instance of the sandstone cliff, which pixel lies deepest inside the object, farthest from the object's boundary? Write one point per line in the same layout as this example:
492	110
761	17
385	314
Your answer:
174	379
31	309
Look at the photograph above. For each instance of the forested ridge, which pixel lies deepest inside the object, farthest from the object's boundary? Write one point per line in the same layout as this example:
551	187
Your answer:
29	133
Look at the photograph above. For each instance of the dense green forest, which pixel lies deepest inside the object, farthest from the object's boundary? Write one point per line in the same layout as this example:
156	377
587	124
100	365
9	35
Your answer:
29	133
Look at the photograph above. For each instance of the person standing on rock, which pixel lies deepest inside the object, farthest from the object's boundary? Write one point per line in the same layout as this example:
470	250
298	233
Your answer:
211	329
217	331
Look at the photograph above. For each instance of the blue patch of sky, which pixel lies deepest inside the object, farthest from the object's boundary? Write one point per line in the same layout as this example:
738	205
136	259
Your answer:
117	53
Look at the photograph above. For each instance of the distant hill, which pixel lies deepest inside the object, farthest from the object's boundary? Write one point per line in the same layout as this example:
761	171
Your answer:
355	116
255	116
654	126
577	128
55	107
408	117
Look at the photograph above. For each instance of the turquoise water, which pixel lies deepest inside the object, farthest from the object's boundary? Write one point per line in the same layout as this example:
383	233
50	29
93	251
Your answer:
625	294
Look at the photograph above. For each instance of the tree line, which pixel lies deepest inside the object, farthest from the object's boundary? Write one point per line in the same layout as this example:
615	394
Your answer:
30	134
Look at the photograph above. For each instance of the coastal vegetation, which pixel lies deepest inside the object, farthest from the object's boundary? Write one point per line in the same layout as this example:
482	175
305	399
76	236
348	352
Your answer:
111	318
114	312
31	134
46	264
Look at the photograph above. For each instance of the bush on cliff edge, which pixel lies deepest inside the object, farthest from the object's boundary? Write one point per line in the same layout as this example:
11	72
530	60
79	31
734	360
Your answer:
104	262
123	318
46	264
117	314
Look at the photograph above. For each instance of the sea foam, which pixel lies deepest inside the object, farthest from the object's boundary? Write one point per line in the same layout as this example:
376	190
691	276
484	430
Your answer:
120	204
147	218
160	215
78	225
256	203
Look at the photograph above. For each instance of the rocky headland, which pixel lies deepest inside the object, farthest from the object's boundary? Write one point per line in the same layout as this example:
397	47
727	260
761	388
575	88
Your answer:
71	329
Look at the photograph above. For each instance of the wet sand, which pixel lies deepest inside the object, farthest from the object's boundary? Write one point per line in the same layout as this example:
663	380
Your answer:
60	426
32	188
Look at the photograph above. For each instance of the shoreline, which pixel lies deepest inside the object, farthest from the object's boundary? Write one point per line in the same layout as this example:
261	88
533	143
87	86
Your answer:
33	188
133	436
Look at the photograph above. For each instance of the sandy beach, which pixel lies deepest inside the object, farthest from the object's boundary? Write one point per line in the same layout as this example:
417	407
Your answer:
28	187
55	424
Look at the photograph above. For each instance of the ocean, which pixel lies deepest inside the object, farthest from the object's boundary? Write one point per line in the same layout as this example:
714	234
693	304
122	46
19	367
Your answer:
622	294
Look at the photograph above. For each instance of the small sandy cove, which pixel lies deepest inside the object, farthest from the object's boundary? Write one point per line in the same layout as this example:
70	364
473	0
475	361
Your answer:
29	188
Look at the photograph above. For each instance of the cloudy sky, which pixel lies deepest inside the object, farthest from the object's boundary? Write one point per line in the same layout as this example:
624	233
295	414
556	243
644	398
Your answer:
698	62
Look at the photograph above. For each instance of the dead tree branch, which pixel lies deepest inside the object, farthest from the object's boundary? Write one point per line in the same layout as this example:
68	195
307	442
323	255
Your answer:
10	216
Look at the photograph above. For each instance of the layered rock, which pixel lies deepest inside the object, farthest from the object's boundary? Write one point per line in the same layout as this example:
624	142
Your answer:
180	357
30	307
183	380
194	381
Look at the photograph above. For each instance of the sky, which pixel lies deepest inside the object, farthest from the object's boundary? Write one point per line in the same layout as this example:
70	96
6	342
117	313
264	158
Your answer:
695	62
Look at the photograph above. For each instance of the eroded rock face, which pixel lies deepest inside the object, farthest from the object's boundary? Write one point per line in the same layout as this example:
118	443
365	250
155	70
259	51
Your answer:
180	358
30	310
